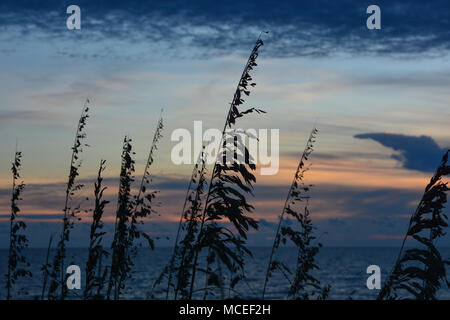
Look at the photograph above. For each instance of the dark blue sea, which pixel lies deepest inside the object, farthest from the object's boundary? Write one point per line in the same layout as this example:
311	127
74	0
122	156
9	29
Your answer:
342	268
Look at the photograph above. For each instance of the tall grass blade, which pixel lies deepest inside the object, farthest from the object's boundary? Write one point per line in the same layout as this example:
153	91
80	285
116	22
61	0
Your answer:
302	285
18	266
57	274
46	268
96	251
120	264
419	272
225	199
131	212
187	224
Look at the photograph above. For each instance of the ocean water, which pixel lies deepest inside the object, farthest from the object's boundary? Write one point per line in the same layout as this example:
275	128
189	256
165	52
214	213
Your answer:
343	268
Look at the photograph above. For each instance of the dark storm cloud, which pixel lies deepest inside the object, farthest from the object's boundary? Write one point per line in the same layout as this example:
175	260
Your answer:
298	28
415	153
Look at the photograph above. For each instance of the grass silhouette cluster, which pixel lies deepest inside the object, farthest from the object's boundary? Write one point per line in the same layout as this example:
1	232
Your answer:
208	259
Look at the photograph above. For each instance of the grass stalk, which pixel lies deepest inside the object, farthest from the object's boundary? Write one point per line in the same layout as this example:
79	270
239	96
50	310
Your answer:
233	114
58	272
17	262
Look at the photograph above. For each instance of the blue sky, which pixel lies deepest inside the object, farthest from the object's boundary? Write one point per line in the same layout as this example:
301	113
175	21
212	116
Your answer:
379	98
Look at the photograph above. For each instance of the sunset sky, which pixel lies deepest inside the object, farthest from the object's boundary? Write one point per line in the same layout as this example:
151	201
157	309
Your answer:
379	98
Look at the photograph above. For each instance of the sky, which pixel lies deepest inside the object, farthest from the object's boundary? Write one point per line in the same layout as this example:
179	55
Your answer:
379	99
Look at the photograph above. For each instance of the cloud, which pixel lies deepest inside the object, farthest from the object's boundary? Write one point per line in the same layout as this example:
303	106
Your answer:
40	217
386	237
415	153
337	222
6	117
348	212
308	28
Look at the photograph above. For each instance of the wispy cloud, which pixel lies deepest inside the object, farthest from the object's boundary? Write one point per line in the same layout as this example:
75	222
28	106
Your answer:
6	117
337	209
307	28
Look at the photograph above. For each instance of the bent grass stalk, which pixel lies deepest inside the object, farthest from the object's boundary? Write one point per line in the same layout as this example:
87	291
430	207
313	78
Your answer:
17	262
180	224
418	272
119	263
69	212
46	267
130	213
233	114
192	216
296	181
96	250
